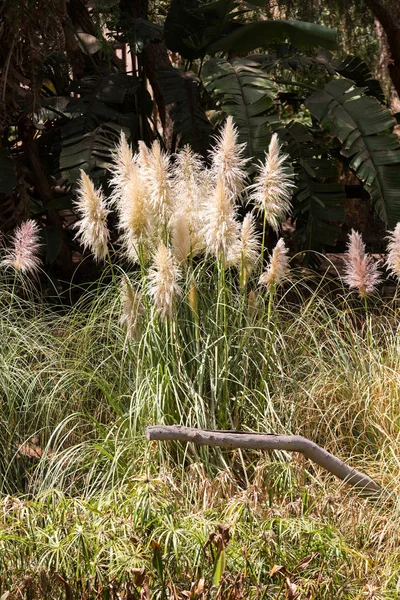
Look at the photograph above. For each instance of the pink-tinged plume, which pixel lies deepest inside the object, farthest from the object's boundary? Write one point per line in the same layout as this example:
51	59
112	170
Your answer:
393	255
361	272
25	248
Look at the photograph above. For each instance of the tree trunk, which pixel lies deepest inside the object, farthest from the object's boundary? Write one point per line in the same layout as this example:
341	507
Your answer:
388	15
155	55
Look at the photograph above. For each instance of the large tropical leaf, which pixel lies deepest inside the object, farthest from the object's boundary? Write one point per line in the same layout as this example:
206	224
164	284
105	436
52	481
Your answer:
319	202
192	25
90	150
364	127
262	33
245	92
351	67
182	91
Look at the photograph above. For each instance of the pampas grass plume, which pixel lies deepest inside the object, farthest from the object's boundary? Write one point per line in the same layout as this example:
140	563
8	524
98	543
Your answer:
278	266
361	272
92	226
121	170
272	189
249	245
221	230
155	171
189	179
393	255
134	216
163	281
25	248
228	161
132	308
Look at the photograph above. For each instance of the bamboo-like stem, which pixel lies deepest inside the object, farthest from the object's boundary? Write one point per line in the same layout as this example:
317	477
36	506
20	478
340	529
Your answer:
262	441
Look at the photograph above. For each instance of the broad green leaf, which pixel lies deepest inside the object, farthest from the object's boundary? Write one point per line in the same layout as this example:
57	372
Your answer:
318	201
365	129
219	567
262	33
182	91
89	150
244	91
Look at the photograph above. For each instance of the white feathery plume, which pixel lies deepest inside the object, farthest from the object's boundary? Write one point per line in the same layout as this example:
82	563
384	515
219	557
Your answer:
393	255
121	170
246	254
361	272
228	160
142	157
134	215
155	171
92	226
188	186
132	308
181	238
278	266
272	188
25	248
221	230
163	280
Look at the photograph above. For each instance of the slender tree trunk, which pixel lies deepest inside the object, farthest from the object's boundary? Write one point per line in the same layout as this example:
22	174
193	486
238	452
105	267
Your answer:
388	15
155	55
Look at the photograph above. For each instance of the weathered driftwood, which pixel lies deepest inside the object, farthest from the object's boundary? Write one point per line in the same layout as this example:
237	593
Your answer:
267	441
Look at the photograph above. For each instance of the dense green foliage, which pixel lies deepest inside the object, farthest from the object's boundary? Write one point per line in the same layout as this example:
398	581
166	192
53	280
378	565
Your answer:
101	502
62	125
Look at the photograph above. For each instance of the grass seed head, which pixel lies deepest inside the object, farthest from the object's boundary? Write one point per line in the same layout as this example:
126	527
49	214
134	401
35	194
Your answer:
25	248
134	215
221	230
121	170
228	161
272	189
361	272
155	170
163	280
132	308
249	245
92	226
278	266
393	255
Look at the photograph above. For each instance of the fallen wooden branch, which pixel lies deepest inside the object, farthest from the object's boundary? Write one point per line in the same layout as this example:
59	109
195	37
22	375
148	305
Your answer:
267	441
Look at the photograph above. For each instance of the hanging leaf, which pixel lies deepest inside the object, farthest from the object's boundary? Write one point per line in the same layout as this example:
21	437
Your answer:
89	150
182	90
260	34
319	201
364	127
245	92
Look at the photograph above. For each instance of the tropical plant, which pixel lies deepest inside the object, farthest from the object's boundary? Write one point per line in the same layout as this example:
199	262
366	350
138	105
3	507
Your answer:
73	124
